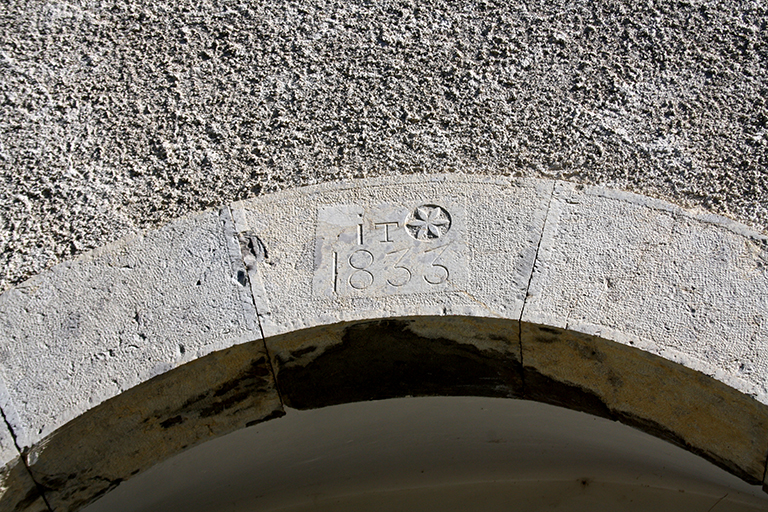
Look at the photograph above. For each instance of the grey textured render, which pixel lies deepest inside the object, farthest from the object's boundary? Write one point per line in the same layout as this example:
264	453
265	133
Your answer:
601	301
122	117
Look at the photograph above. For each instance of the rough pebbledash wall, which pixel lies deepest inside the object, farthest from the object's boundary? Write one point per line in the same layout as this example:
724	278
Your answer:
118	116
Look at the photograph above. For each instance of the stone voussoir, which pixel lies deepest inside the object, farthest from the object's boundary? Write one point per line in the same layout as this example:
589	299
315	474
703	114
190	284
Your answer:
80	340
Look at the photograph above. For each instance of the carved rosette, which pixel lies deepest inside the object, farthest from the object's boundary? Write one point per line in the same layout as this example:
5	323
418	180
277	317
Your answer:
428	222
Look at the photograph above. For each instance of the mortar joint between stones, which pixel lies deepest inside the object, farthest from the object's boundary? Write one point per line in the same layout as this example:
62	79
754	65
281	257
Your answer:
530	280
23	459
234	238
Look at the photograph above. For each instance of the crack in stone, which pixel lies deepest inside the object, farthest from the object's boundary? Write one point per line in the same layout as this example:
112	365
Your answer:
256	250
530	279
23	459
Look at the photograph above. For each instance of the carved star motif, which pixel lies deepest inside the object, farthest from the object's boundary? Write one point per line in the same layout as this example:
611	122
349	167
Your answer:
429	222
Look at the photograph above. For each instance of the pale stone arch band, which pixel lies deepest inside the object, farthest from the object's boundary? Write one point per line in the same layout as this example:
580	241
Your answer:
602	301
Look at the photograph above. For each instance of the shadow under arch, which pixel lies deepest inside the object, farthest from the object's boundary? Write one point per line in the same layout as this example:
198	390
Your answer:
397	357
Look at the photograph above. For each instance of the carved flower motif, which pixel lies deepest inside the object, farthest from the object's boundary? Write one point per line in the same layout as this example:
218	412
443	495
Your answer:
429	222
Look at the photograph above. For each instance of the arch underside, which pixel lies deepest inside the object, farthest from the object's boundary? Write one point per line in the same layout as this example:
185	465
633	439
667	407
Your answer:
392	358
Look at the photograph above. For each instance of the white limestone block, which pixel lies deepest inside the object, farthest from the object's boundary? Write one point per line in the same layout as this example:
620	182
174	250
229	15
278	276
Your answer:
690	288
445	245
91	328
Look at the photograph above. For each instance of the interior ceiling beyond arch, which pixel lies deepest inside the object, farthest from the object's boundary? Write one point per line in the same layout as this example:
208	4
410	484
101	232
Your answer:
460	453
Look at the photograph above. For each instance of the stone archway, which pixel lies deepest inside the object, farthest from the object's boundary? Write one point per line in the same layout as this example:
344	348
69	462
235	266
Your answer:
600	301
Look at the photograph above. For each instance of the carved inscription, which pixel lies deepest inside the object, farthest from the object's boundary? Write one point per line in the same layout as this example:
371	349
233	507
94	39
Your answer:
428	222
388	249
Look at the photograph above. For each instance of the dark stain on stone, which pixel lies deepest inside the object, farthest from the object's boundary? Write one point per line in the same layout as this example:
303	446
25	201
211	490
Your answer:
102	485
589	352
615	380
547	339
385	359
190	403
227	403
30	498
240	386
171	422
255	379
54	482
228	386
271	416
542	388
248	383
302	351
550	330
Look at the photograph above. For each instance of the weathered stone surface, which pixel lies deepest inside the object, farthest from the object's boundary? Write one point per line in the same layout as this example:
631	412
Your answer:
346	252
621	382
8	450
691	288
18	492
208	397
96	326
351	362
